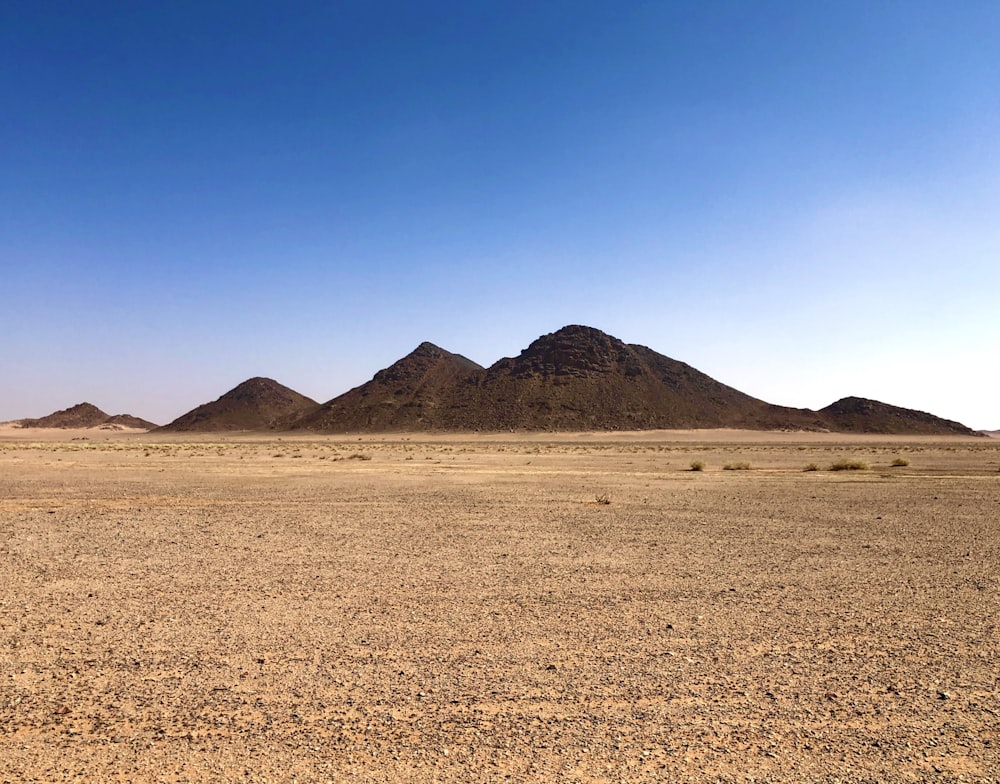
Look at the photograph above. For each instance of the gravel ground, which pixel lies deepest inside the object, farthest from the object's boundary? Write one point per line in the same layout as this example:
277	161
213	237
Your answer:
498	609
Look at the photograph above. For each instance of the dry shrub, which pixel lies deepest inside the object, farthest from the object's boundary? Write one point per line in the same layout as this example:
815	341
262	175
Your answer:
850	465
811	467
741	466
697	465
900	462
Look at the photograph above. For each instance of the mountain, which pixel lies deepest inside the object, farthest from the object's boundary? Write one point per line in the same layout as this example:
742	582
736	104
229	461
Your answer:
256	404
577	378
422	391
84	415
859	415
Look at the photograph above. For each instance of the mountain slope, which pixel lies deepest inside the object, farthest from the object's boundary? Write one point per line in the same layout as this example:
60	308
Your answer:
579	378
419	392
256	404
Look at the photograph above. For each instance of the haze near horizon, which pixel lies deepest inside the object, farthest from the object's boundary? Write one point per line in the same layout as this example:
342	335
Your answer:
797	200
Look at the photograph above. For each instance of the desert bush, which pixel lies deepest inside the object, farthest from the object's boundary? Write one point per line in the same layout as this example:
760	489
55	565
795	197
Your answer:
741	466
359	456
697	465
850	465
603	498
900	462
811	467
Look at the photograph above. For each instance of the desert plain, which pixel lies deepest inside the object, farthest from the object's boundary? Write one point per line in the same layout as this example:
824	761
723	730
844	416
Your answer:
543	607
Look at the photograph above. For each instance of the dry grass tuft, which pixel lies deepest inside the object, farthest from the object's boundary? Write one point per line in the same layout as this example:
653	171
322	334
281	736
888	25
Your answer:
697	465
900	462
850	465
741	466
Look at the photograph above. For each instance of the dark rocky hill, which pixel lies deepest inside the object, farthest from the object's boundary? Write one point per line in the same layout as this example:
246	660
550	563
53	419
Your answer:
84	415
256	404
422	391
577	378
80	415
860	415
580	378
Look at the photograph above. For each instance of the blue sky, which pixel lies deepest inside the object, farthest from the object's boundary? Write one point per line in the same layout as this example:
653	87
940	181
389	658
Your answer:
799	199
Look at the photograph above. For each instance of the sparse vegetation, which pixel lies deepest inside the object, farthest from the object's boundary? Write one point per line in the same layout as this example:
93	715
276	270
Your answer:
359	456
392	567
850	465
811	467
900	462
739	466
697	465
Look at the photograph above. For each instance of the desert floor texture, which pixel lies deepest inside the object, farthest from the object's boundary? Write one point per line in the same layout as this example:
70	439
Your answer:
498	608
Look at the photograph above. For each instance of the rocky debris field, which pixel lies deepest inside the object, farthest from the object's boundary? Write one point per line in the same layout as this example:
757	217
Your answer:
462	609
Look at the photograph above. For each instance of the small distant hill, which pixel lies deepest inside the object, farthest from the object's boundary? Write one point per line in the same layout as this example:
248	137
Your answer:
422	391
84	415
127	420
256	404
860	415
80	415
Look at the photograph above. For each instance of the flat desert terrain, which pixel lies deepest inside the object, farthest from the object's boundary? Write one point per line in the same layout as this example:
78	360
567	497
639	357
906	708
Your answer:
498	608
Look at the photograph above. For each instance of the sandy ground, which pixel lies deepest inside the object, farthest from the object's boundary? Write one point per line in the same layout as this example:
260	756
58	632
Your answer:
461	609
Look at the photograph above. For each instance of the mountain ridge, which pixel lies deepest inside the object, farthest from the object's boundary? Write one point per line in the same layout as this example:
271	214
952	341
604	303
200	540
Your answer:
579	378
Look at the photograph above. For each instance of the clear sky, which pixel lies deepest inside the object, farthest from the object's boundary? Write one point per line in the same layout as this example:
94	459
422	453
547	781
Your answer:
800	199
